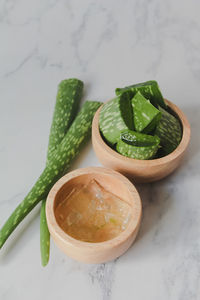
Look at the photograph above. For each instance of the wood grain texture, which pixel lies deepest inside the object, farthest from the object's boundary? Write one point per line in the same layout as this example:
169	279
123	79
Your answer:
94	252
141	170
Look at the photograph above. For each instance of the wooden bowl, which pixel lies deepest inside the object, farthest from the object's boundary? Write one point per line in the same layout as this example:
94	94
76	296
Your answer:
141	170
102	251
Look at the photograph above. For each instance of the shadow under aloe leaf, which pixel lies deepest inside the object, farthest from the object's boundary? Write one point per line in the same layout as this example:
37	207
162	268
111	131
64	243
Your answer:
191	162
8	249
193	115
156	201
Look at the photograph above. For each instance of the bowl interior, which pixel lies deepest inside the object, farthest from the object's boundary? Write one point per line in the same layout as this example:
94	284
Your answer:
108	182
111	184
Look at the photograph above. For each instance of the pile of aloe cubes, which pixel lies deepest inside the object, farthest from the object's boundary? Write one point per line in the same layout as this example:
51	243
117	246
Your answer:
139	124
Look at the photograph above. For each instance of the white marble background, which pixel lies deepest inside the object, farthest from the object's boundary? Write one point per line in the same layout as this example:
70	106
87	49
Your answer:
107	44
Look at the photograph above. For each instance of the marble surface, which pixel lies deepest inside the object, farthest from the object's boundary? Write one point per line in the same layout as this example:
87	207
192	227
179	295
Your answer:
107	44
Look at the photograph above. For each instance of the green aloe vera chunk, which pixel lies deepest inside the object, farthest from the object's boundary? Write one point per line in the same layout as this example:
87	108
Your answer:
145	115
137	145
148	89
70	146
169	131
115	117
66	107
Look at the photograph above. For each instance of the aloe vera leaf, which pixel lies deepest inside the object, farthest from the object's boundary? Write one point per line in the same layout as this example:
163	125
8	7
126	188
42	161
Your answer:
44	235
149	89
67	150
67	103
66	107
137	145
169	131
145	115
115	117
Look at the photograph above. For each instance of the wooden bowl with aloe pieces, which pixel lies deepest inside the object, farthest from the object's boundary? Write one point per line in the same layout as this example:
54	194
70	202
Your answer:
144	154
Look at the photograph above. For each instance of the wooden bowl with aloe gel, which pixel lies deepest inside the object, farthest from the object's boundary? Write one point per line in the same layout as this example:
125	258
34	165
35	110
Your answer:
93	214
137	169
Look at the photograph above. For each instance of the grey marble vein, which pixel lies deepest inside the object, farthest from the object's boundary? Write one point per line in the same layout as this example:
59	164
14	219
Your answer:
21	64
104	275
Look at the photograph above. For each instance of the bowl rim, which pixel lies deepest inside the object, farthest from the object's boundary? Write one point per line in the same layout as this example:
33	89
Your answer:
151	162
55	228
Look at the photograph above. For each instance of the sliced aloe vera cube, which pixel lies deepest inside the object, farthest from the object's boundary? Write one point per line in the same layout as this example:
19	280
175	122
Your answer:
148	89
137	145
145	115
169	131
115	117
